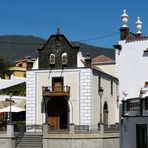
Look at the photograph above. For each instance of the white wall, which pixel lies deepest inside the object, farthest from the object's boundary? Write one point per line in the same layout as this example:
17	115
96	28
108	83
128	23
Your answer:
80	84
107	68
113	108
83	101
79	58
132	67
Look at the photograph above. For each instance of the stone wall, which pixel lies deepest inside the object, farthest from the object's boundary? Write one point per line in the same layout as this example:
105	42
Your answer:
81	141
7	139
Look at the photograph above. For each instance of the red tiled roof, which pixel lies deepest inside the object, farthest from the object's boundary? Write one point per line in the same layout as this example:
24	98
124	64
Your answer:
102	59
137	38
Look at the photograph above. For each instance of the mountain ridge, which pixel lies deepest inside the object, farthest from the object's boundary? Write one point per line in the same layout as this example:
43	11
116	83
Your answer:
16	47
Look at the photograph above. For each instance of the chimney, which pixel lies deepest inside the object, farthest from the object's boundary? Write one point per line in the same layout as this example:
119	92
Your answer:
88	60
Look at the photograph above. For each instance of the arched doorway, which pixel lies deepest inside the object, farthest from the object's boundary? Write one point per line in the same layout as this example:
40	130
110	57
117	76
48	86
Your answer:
58	112
105	114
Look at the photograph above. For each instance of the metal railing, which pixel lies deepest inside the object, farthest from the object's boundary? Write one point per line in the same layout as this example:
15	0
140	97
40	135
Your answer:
114	128
19	134
81	127
34	128
3	128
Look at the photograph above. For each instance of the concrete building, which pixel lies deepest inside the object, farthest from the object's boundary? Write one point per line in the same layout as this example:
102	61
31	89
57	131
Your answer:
21	66
131	70
134	123
131	60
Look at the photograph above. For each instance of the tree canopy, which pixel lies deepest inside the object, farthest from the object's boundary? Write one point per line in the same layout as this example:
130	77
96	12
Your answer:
4	68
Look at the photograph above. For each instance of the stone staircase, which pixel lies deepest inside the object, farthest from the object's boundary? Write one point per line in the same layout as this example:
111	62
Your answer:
31	140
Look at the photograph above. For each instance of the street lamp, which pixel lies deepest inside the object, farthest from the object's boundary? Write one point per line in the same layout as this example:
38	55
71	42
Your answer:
101	94
45	109
11	93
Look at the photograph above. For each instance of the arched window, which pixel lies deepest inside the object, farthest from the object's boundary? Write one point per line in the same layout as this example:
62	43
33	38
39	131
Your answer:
52	59
64	58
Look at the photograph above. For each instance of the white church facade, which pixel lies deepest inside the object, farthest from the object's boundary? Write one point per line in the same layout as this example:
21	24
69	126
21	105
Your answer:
64	88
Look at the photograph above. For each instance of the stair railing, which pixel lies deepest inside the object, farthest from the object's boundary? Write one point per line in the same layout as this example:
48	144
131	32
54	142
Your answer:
19	134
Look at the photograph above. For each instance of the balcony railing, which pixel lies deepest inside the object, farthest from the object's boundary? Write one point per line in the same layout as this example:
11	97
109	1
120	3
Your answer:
56	91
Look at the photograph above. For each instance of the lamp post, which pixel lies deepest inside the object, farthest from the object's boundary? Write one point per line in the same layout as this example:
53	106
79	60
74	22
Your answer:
46	109
11	93
10	113
101	94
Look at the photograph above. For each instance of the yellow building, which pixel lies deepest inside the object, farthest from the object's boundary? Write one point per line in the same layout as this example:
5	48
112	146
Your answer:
21	66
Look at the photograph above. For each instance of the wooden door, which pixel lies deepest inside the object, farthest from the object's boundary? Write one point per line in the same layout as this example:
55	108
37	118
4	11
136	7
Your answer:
105	114
54	121
105	117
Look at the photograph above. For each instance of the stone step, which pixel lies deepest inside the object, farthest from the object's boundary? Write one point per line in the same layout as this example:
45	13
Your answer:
30	140
28	147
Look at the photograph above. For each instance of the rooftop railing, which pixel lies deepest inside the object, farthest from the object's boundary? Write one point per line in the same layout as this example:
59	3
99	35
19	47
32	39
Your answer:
135	107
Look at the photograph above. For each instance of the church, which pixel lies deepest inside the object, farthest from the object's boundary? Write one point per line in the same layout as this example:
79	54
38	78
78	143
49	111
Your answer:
64	88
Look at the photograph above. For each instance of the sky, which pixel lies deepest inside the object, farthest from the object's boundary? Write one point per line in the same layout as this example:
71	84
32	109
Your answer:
95	22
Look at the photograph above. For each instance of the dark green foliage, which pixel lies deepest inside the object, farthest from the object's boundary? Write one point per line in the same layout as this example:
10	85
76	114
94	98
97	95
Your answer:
96	51
4	68
20	90
16	47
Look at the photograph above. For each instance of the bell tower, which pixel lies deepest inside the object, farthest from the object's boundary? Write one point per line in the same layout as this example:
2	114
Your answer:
57	52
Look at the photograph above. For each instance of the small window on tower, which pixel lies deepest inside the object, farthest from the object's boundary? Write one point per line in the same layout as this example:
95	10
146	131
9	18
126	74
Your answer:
64	59
52	59
58	41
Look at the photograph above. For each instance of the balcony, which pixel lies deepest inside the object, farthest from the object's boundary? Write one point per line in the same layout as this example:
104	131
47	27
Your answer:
56	91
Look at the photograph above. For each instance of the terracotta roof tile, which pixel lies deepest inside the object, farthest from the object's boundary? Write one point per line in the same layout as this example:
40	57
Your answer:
102	59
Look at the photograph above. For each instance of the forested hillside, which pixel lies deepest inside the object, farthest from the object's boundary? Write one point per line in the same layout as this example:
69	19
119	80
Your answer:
16	47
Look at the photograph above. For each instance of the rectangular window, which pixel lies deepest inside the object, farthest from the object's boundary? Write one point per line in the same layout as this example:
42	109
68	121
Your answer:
99	82
141	136
111	88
